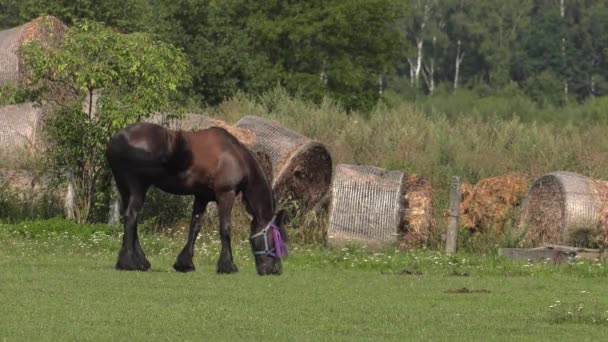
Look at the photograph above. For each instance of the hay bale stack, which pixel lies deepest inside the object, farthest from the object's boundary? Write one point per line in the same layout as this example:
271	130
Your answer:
366	206
418	213
20	127
192	122
489	203
302	167
48	29
563	208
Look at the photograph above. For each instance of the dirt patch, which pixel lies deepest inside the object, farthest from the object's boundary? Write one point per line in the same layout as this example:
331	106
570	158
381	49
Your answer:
467	290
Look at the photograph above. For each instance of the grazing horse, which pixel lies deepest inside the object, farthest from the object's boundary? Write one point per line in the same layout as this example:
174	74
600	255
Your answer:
210	164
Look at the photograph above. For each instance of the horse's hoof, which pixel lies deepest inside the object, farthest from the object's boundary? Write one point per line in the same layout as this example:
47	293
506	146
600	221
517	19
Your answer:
183	267
226	268
130	262
144	265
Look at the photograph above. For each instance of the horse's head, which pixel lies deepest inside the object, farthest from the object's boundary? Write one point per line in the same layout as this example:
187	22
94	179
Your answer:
268	244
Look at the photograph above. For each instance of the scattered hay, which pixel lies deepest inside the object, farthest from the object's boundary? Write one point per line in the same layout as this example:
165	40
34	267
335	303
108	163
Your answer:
564	208
489	204
418	213
302	167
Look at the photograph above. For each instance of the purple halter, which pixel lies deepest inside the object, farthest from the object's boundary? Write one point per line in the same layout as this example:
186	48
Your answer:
279	249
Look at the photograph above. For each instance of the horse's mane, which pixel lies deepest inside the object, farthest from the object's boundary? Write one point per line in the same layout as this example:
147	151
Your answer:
252	160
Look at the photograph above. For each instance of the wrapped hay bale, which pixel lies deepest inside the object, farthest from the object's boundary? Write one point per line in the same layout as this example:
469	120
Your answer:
302	167
418	213
20	128
191	122
563	208
488	204
366	206
49	30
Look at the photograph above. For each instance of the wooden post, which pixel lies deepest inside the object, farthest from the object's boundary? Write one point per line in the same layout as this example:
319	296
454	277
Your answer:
451	243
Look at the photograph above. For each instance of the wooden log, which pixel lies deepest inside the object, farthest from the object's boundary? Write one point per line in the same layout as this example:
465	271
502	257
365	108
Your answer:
451	244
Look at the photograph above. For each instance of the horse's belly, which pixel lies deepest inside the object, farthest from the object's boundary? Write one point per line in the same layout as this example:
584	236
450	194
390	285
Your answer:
180	186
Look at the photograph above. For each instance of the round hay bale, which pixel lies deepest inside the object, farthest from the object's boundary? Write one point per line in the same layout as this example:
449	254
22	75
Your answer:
20	128
47	29
366	206
489	204
192	122
302	167
563	208
418	219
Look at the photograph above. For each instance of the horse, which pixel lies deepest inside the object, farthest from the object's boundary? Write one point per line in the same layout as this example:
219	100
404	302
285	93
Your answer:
210	164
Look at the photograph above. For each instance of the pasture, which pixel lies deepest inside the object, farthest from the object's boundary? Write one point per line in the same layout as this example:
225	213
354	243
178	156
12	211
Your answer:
60	284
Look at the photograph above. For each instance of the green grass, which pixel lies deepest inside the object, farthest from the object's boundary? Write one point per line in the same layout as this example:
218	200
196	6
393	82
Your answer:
62	286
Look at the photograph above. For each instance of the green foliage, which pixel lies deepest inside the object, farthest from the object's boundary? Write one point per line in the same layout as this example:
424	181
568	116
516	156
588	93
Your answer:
128	16
17	206
135	75
53	226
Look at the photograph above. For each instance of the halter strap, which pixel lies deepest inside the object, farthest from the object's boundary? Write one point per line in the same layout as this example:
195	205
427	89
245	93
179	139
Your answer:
263	233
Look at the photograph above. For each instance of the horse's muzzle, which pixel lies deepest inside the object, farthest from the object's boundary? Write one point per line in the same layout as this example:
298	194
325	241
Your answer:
271	267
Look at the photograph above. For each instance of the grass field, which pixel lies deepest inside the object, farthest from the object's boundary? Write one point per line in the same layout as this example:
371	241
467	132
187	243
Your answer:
61	286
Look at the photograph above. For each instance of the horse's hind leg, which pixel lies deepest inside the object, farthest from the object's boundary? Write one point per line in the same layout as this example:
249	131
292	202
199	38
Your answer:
184	259
225	263
131	255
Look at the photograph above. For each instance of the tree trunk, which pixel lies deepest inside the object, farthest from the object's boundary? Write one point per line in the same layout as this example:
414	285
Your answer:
429	71
459	58
416	69
562	12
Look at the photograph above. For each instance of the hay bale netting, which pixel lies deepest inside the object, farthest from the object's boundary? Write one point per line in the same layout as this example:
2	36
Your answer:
366	206
20	128
418	212
192	121
48	29
563	208
490	204
302	167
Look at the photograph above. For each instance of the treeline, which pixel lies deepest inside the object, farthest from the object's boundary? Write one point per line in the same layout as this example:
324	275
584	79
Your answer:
554	51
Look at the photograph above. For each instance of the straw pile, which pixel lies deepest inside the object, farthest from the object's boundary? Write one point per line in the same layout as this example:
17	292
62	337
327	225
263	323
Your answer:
366	206
489	204
302	167
192	122
418	215
49	30
564	208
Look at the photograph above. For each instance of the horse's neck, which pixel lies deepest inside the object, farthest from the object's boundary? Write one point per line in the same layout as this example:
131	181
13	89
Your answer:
179	151
260	193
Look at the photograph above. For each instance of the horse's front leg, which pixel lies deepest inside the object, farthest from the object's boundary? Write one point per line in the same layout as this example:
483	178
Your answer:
131	255
225	263
184	259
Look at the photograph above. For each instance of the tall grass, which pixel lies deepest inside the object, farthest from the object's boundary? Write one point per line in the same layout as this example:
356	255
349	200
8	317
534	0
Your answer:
435	146
439	141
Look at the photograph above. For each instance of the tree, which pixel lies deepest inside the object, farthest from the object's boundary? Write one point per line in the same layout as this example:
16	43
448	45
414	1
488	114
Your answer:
335	48
136	76
127	16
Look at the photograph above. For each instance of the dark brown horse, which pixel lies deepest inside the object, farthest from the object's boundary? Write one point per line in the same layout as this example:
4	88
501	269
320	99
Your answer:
210	164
